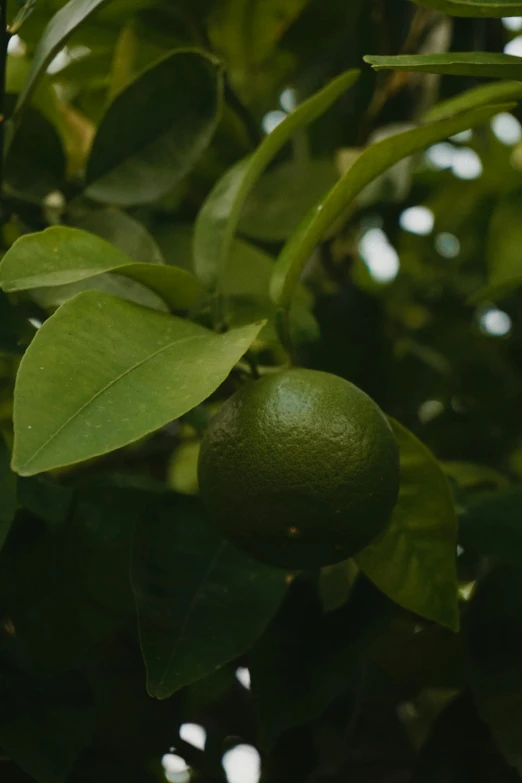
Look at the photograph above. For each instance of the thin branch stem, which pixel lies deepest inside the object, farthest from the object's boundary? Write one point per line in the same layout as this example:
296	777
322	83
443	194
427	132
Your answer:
4	43
284	333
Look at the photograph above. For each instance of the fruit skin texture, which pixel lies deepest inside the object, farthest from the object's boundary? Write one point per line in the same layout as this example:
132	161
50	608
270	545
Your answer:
300	469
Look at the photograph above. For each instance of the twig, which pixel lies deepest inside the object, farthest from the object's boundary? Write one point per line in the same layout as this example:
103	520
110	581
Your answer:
5	37
233	100
391	84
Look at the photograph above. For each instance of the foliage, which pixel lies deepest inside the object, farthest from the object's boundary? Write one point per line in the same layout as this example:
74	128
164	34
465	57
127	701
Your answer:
195	193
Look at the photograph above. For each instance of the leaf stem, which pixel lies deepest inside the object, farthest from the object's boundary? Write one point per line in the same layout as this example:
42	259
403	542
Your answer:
283	332
252	130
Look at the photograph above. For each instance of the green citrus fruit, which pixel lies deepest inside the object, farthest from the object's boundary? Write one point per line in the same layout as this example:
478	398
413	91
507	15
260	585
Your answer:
299	469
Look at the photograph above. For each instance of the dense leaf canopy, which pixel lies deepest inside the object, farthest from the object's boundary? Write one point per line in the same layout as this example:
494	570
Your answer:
195	194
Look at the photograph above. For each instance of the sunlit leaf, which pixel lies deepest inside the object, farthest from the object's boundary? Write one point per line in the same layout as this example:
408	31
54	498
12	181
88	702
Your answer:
413	562
219	216
370	164
60	256
120	372
201	602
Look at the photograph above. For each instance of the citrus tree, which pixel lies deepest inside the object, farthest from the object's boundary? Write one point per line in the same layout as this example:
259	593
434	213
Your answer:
260	391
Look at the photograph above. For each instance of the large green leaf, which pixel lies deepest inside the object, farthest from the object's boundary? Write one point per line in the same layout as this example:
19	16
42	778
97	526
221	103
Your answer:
169	112
219	216
103	372
61	26
60	256
370	164
477	8
482	65
201	602
493	632
7	492
413	562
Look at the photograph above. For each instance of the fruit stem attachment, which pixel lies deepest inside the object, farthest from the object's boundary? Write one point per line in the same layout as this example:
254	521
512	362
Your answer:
283	332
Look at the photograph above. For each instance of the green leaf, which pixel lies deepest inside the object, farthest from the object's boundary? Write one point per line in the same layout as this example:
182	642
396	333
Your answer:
120	372
8	500
61	26
60	256
493	633
482	95
47	724
491	524
370	164
413	562
283	196
482	65
201	602
219	216
477	8
169	112
123	231
307	659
